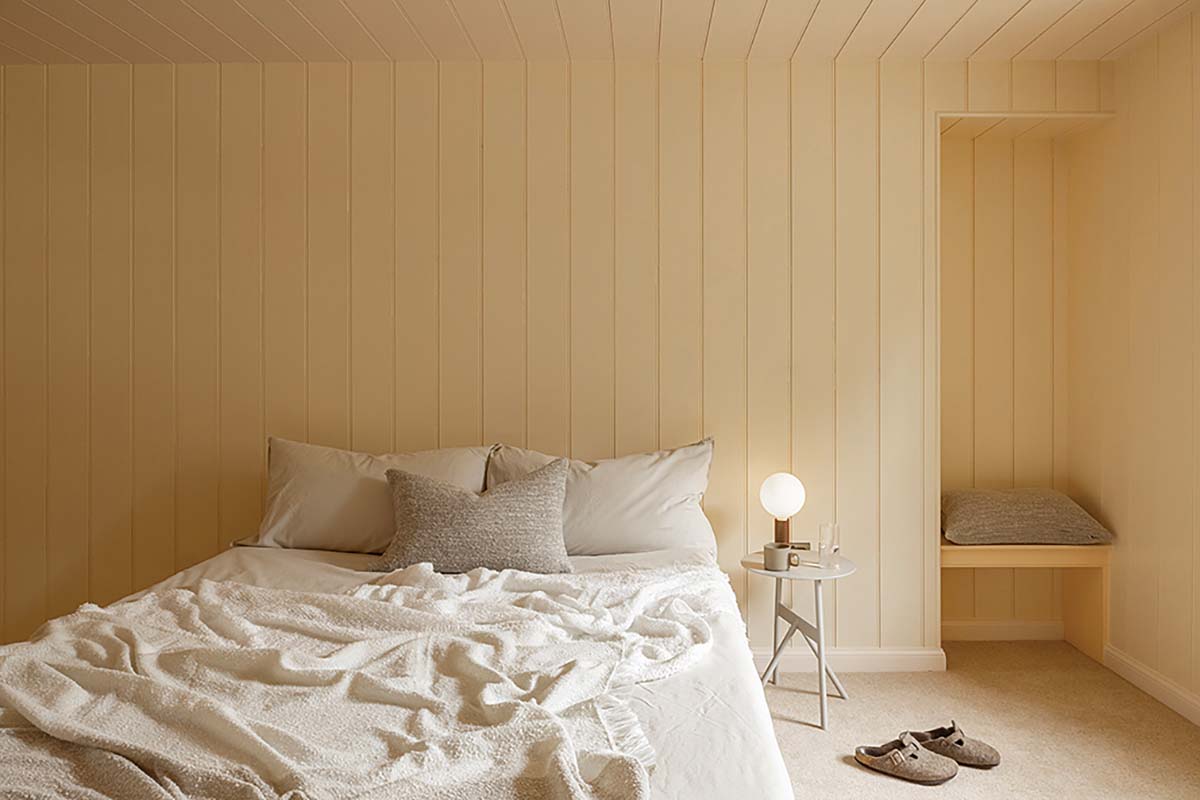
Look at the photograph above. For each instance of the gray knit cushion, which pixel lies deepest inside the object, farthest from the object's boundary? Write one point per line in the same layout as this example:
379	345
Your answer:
516	525
1018	516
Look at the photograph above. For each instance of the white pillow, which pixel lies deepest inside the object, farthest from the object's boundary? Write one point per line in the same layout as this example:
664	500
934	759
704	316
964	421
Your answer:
322	498
649	501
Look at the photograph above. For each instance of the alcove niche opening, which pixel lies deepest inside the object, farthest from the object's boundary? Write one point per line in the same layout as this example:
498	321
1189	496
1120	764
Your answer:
1004	282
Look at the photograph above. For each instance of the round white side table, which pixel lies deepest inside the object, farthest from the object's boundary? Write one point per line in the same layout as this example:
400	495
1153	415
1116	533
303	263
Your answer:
813	632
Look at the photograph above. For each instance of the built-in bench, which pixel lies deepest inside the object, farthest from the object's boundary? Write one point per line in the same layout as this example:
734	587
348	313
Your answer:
1085	582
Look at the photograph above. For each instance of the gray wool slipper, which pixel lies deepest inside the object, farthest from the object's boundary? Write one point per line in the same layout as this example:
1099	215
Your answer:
904	758
951	742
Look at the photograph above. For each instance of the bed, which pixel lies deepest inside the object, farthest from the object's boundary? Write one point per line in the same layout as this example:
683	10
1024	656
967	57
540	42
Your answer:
707	726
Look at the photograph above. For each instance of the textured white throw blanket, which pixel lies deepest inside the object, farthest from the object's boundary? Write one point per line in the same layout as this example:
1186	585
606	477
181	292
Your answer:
418	685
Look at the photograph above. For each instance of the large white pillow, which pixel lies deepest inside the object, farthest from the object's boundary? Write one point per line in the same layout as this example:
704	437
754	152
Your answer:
649	501
322	498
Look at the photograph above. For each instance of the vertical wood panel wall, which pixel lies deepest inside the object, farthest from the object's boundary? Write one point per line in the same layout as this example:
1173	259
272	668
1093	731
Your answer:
1134	300
588	257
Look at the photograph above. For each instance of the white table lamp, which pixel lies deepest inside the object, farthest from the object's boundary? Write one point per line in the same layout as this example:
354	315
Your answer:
782	495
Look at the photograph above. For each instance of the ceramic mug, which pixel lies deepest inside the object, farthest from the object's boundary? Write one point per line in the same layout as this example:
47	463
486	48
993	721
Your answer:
776	556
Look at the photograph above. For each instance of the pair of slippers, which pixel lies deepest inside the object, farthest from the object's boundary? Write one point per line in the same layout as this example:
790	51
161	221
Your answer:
928	757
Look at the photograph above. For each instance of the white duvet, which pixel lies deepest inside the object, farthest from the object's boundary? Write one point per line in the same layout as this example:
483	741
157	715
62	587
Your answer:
415	685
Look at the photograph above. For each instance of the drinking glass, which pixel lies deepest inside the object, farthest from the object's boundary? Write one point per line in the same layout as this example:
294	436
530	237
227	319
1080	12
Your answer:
828	543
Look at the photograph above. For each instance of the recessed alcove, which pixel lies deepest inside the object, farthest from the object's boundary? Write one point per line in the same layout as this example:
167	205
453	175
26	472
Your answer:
1004	271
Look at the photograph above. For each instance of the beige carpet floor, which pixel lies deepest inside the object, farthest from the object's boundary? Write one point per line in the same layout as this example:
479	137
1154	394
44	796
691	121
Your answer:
1066	728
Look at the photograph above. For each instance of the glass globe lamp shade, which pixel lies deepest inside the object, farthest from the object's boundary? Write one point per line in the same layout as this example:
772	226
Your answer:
782	495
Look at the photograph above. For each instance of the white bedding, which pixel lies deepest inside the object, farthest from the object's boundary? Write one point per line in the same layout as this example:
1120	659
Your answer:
706	723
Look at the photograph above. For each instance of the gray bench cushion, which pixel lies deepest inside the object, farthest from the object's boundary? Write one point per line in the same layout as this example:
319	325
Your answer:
1018	516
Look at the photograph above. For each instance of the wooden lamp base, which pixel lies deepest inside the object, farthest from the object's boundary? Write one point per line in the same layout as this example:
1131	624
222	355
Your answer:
783	531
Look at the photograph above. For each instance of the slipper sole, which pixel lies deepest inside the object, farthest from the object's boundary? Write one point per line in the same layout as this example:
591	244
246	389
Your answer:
937	782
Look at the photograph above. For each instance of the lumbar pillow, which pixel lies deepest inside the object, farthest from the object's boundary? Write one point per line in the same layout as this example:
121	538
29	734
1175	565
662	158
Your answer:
649	501
322	498
1018	516
517	525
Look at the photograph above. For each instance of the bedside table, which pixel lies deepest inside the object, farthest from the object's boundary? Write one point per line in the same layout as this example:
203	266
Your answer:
813	632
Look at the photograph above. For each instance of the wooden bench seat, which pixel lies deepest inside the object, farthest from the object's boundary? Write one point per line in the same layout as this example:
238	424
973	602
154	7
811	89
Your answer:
1085	581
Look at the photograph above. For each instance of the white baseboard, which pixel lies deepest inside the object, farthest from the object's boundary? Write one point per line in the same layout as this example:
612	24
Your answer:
1153	683
1001	630
858	659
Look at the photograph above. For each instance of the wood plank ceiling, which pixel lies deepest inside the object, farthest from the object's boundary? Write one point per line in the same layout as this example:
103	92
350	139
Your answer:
184	31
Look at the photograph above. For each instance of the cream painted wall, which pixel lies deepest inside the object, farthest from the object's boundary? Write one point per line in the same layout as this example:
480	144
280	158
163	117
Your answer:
1134	358
579	257
1003	355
